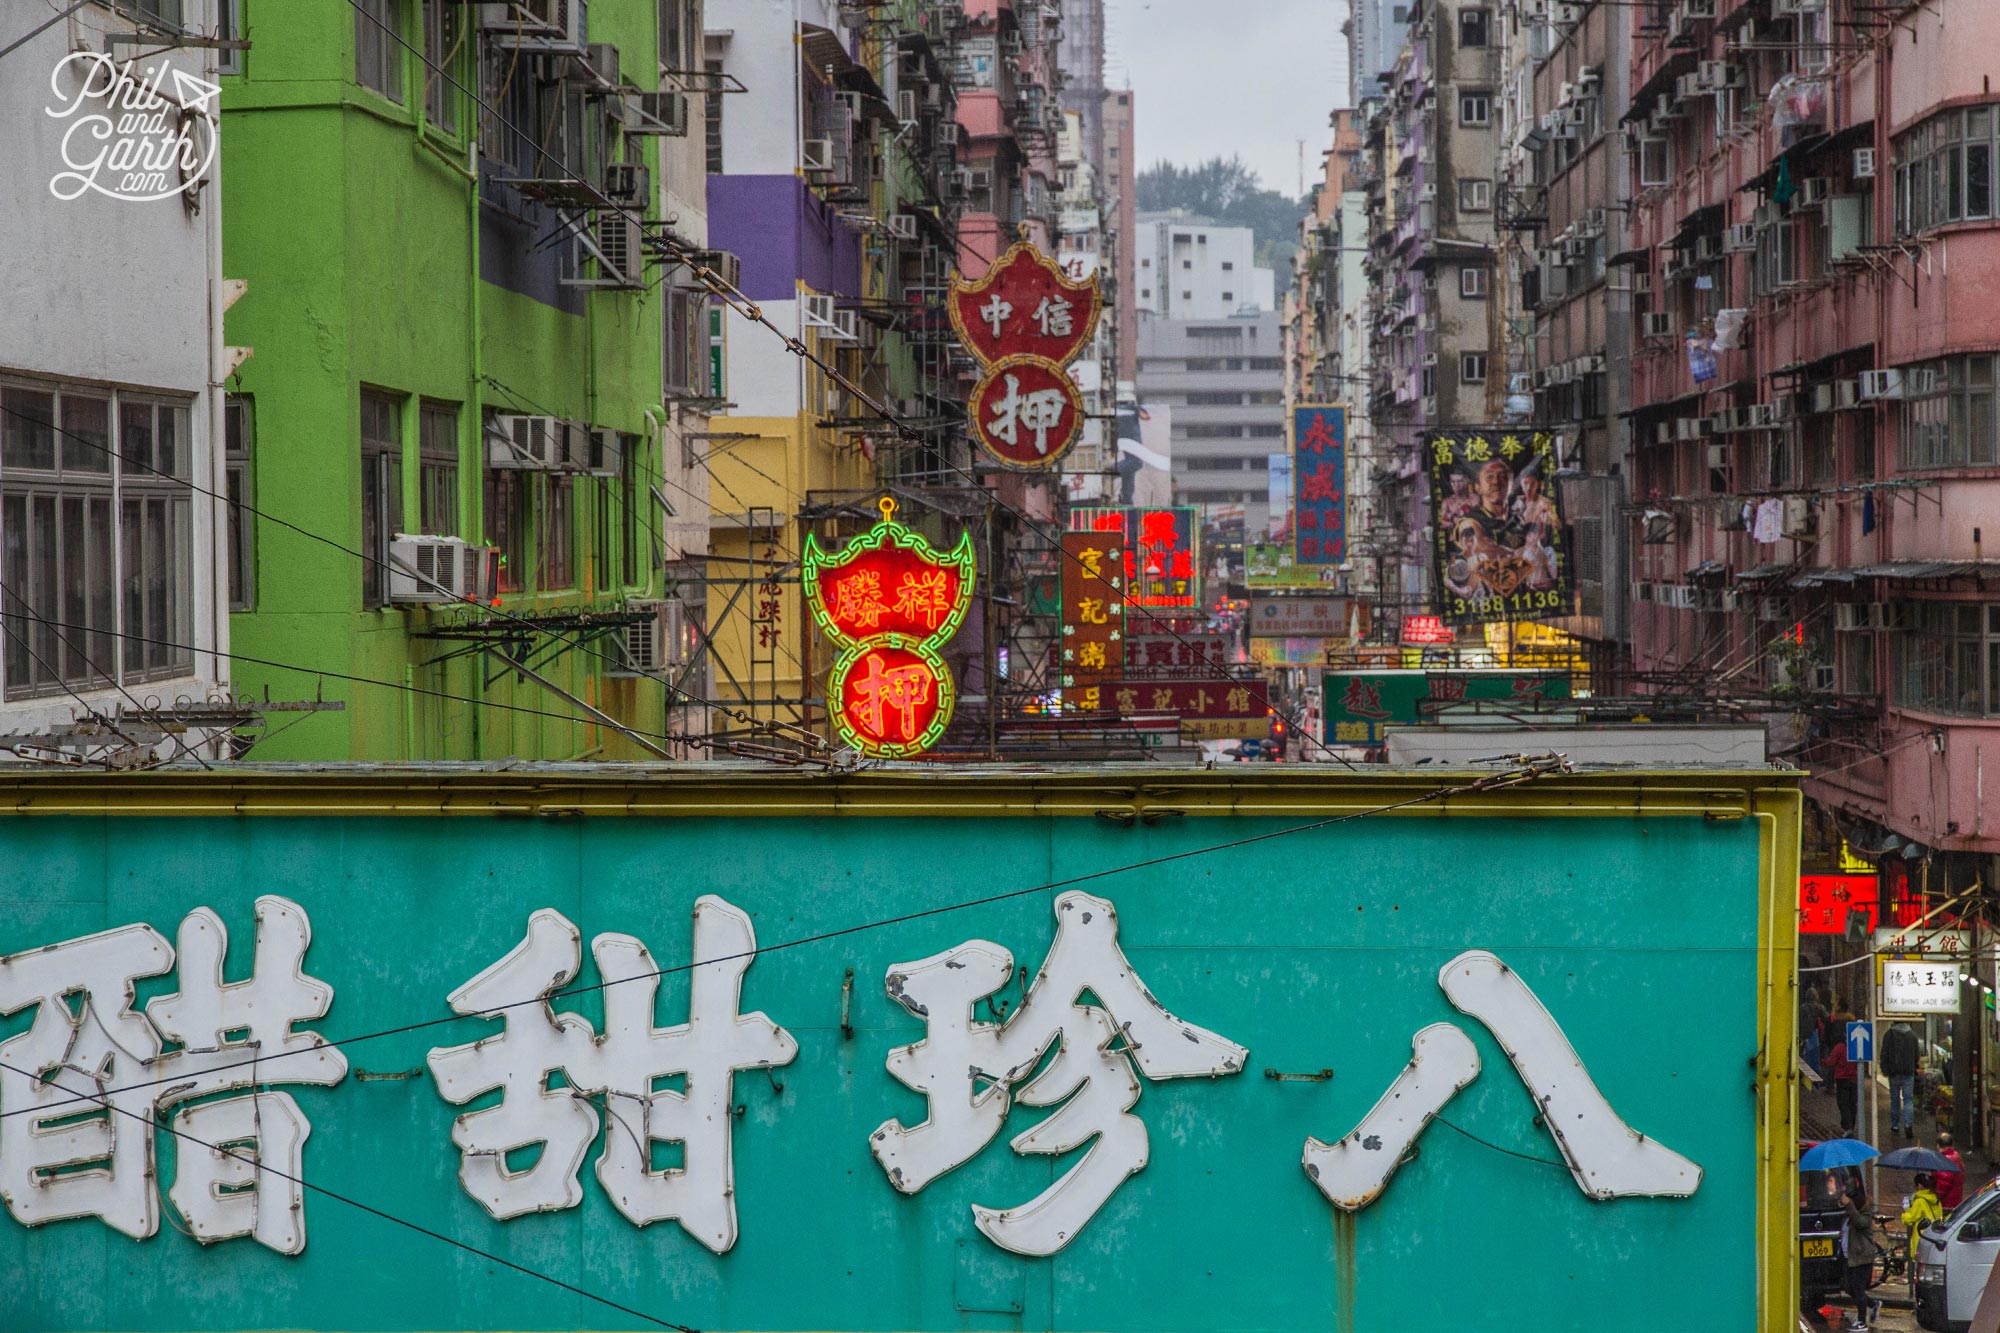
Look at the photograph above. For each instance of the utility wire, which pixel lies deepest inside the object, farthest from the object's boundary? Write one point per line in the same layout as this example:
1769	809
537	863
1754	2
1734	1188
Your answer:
733	298
1513	777
255	1163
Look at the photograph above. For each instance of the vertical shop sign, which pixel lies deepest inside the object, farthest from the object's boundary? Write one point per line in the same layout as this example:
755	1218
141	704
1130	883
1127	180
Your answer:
1319	484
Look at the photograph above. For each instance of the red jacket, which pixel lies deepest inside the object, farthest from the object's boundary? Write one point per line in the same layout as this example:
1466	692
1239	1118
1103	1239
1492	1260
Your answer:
1836	1064
1951	1184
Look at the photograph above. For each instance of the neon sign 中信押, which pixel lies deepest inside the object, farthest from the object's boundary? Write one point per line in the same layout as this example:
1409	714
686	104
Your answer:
889	601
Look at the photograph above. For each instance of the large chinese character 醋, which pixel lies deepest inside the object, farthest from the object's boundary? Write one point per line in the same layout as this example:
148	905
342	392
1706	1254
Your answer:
82	1085
968	1069
621	1070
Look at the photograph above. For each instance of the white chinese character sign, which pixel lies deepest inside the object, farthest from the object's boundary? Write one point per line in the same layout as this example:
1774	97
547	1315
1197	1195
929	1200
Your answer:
81	1088
889	601
1024	322
615	1072
968	1069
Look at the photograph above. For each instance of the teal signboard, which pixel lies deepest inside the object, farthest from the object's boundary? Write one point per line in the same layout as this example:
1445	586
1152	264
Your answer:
1360	704
943	1072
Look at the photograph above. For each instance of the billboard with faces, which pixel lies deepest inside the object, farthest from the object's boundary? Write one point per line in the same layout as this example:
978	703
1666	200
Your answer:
1501	549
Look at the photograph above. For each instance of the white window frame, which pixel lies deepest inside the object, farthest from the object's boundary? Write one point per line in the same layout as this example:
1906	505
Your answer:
1475	194
1479	100
1472	283
1472	367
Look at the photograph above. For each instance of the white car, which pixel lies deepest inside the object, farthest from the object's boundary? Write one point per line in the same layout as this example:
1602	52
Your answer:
1953	1259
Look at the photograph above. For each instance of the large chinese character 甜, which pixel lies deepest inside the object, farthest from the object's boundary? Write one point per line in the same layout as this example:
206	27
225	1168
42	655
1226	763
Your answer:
80	1088
967	1069
619	1070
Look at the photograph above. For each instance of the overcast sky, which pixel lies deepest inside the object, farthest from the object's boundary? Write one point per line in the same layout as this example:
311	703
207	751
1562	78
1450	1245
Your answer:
1216	77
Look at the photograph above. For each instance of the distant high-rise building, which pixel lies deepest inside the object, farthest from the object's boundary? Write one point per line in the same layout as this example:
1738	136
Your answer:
1121	183
1223	381
1080	56
1375	32
1190	268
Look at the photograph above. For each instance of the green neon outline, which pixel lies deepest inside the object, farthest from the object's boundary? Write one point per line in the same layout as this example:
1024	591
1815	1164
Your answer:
816	561
836	690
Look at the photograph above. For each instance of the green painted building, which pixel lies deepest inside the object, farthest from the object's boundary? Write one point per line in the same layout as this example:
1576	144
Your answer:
420	275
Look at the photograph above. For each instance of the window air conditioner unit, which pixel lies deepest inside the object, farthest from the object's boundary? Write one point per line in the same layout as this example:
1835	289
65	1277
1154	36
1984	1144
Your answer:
1566	14
816	157
1430	358
1880	384
906	106
844	328
551	26
621	242
1698	9
1763	415
1663	432
1688	428
1645	592
1920	381
1718	457
1575	248
430	569
628	182
1813	191
1708	247
1846	393
598	63
1857	617
948	133
605	450
1688	87
1577	116
903	226
522	443
1770	608
1864	164
819	312
1822	398
638	649
661	113
1642	283
1720	74
1566	94
1732	600
1429	192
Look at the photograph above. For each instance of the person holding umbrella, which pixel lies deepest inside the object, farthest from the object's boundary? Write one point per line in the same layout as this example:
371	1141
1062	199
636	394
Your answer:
1858	1247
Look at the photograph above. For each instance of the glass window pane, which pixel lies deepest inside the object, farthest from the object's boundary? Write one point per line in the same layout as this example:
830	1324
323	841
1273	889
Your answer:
75	609
28	439
179	578
131	547
170	458
135	439
13	576
159	619
86	433
103	587
42	594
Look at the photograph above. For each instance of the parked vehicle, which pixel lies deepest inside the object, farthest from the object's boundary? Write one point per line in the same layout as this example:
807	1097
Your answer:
1953	1259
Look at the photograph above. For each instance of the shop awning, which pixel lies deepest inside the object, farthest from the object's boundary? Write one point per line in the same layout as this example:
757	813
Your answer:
1677	64
1762	573
1929	569
1698	222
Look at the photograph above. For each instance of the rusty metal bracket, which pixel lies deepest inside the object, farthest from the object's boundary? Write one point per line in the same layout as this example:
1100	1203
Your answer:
847	1006
1277	1076
389	1076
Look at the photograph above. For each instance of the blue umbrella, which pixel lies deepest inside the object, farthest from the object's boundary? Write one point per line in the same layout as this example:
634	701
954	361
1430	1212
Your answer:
1916	1159
1836	1152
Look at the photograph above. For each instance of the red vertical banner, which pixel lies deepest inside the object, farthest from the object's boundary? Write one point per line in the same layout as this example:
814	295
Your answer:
1093	615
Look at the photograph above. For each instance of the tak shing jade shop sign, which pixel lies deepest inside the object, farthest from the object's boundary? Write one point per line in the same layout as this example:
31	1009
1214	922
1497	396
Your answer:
763	1071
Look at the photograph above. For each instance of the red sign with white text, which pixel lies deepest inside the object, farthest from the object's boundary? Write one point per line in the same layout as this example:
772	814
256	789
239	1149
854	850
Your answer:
1427	630
1025	306
1026	411
1825	901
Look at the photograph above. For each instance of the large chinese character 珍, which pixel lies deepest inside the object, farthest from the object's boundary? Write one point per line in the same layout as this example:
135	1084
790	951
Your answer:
622	1068
81	1087
967	1069
1606	1157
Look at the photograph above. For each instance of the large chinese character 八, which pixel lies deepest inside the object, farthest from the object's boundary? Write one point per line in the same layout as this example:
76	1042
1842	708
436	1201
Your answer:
82	1085
1038	412
967	1069
1607	1158
621	1068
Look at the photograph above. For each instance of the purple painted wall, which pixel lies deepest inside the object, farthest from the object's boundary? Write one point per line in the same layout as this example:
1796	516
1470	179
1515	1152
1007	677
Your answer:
783	234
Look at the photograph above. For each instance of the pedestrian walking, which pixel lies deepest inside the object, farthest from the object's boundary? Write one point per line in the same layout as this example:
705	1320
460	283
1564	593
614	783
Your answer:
1812	1011
1857	1245
1900	1061
1841	1072
1950	1184
1924	1209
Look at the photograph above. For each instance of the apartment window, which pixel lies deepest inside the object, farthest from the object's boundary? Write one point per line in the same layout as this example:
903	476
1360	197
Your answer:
1472	368
1202	398
718	359
1228	266
1475	196
678	33
712	117
167	12
1475	109
378	57
239	453
555	537
1187	263
1187	296
1656	161
616	535
1820	455
437	468
1146	292
1229	296
1948	658
1944	169
1864	445
1857	663
1948	416
1428	381
629	501
444	28
1145	263
229	27
1474	23
1472	283
381	491
95	539
686	343
504	508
